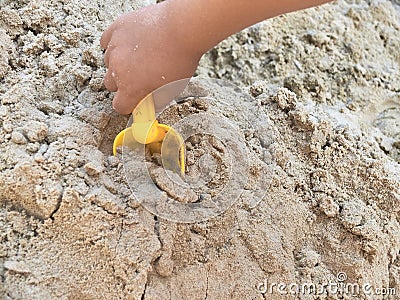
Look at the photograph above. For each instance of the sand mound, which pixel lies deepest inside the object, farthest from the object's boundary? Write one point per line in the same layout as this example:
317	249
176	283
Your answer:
327	79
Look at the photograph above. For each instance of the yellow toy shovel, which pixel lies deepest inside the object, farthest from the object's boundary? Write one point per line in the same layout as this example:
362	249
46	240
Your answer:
146	130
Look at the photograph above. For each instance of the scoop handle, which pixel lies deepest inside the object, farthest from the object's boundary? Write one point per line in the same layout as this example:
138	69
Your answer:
145	127
145	111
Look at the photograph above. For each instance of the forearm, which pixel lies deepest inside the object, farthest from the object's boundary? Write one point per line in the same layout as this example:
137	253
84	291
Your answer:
205	23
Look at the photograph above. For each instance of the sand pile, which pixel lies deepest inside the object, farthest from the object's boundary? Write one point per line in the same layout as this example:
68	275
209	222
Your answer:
328	81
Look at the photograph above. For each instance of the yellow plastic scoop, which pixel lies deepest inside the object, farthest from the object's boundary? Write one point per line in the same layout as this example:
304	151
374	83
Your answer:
146	130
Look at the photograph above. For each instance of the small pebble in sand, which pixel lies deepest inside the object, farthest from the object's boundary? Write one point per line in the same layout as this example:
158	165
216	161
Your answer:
18	138
113	161
93	168
32	147
7	126
36	131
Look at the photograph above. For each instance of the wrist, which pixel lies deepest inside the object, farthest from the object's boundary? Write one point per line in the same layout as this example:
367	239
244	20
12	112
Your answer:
183	27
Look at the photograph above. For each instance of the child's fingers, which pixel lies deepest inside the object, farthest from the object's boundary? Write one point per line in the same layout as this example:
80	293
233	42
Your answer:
123	102
110	81
106	37
107	57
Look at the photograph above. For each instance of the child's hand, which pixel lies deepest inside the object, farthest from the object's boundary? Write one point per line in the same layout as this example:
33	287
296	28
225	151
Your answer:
143	52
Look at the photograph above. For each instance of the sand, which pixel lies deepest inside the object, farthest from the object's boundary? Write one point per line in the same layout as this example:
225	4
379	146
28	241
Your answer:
323	98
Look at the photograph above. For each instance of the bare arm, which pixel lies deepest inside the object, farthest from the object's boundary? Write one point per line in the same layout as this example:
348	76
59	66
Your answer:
205	23
160	43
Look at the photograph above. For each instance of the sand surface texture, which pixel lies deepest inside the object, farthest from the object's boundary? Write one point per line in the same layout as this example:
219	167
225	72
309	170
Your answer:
321	197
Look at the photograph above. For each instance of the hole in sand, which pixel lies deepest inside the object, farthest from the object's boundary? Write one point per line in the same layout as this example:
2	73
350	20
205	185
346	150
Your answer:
116	124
